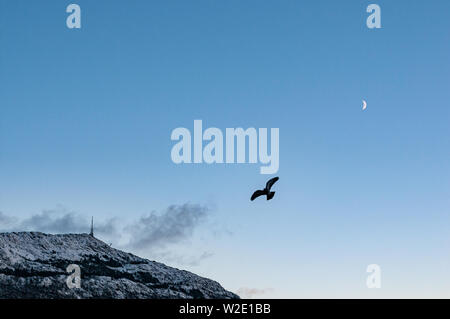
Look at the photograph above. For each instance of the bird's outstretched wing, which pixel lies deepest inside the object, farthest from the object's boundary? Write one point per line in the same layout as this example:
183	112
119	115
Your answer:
270	182
257	194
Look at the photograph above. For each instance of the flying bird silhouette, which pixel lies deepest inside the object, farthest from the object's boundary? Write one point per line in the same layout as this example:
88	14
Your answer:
266	191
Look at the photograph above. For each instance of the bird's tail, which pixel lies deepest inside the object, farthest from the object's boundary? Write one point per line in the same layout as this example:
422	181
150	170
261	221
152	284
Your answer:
270	195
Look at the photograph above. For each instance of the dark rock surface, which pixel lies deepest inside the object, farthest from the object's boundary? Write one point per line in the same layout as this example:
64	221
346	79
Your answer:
33	265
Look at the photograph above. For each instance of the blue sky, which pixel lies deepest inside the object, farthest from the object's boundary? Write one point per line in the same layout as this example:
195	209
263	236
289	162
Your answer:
86	117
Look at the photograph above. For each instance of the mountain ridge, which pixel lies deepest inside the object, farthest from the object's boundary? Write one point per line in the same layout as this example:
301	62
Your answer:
33	265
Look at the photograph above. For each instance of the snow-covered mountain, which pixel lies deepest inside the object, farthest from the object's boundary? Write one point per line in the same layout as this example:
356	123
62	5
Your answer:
33	265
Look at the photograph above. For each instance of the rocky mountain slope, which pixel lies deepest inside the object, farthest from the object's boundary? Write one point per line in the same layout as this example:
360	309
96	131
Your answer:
33	265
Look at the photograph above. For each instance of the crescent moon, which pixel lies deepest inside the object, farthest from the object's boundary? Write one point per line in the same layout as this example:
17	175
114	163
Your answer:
364	105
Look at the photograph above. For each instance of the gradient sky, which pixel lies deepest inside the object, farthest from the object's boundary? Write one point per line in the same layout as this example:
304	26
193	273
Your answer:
86	117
